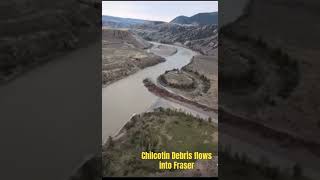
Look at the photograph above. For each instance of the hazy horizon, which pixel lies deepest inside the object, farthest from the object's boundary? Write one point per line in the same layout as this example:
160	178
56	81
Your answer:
154	10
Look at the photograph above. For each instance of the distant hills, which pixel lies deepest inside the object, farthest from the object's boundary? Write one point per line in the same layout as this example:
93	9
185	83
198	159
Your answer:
118	22
200	18
210	18
198	32
201	38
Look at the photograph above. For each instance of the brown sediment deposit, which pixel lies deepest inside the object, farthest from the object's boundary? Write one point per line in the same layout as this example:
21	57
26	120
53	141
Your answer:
166	94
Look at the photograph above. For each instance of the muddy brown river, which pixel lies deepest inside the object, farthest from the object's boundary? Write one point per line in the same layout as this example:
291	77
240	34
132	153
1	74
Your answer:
128	96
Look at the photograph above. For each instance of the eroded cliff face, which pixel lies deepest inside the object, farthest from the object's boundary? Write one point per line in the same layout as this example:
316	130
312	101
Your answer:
123	37
36	31
201	38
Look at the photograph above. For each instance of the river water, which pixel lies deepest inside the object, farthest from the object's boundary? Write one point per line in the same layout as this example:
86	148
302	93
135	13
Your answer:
122	99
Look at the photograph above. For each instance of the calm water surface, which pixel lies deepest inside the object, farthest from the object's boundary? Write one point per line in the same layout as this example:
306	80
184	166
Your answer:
122	99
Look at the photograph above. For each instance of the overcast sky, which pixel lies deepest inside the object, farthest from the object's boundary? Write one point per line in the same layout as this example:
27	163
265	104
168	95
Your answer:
157	10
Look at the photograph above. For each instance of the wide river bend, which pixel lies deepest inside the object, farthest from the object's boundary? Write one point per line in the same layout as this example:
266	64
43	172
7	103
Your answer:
128	96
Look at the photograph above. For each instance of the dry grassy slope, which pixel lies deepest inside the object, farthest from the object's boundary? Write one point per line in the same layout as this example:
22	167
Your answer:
295	34
36	30
123	54
158	131
124	36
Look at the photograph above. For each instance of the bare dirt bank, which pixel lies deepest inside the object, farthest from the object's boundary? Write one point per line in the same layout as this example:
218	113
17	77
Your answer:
168	95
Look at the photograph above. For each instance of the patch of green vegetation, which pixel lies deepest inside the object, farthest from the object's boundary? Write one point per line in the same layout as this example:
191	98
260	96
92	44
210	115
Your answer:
162	130
184	81
203	78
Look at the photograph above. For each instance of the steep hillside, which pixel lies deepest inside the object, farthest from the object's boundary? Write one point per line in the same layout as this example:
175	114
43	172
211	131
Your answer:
200	38
125	37
181	20
200	19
